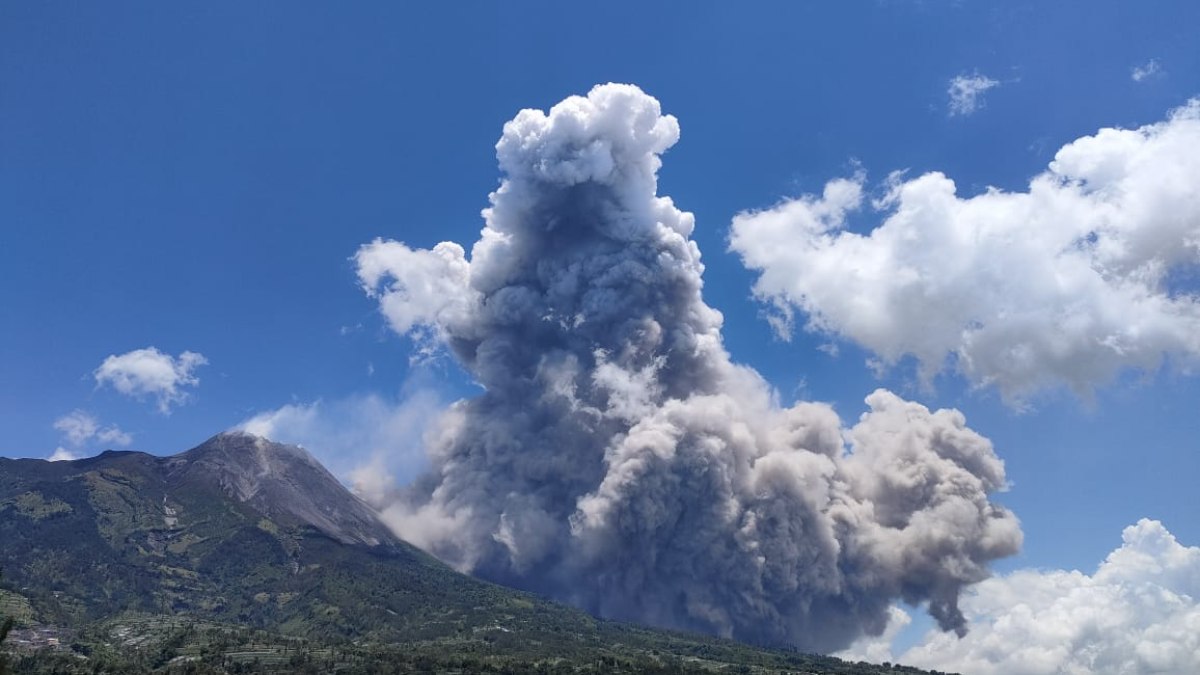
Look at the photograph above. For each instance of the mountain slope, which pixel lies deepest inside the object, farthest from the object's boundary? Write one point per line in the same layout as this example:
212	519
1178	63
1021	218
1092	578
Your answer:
246	532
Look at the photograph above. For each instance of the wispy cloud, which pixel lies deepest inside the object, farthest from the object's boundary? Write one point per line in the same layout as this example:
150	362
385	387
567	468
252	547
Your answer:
79	428
966	93
1146	71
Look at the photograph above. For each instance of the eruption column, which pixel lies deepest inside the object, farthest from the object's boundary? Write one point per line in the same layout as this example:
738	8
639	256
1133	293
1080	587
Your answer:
619	460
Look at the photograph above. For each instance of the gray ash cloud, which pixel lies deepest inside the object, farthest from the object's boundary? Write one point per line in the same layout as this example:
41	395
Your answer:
619	460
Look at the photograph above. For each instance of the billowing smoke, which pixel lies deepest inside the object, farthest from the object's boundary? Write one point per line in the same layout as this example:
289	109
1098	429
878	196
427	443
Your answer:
618	460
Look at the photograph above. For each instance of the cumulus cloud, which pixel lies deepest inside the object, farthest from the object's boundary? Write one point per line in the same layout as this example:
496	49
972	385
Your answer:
371	440
79	427
619	460
149	372
1070	282
966	93
416	289
1147	70
1139	612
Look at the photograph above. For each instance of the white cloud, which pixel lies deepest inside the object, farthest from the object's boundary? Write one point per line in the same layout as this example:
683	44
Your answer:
1138	613
966	93
369	439
879	648
149	372
113	435
62	454
79	427
416	289
1147	70
1067	283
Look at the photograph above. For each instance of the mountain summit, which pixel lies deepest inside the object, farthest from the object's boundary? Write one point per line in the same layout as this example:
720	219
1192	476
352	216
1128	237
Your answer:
283	482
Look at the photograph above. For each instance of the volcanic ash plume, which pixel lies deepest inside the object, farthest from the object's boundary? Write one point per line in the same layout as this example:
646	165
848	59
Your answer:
618	460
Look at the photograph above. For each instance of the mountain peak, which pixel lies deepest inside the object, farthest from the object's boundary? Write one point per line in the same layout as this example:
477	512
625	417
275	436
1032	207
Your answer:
284	482
245	448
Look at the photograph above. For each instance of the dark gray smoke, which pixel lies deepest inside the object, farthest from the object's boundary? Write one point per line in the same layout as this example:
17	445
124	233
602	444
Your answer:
618	460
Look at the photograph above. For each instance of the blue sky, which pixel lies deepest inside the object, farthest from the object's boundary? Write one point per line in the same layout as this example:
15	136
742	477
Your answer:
197	177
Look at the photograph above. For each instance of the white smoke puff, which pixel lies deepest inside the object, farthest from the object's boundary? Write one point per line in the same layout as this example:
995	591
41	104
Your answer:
1069	283
1138	613
618	460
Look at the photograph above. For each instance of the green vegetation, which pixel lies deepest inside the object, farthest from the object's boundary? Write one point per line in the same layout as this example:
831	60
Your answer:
117	567
150	644
34	505
6	625
14	607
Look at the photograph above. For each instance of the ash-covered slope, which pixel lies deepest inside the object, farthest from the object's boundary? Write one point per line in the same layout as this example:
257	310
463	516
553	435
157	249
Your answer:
282	482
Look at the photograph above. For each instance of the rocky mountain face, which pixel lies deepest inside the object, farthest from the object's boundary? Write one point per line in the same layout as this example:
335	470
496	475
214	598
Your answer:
243	532
282	482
